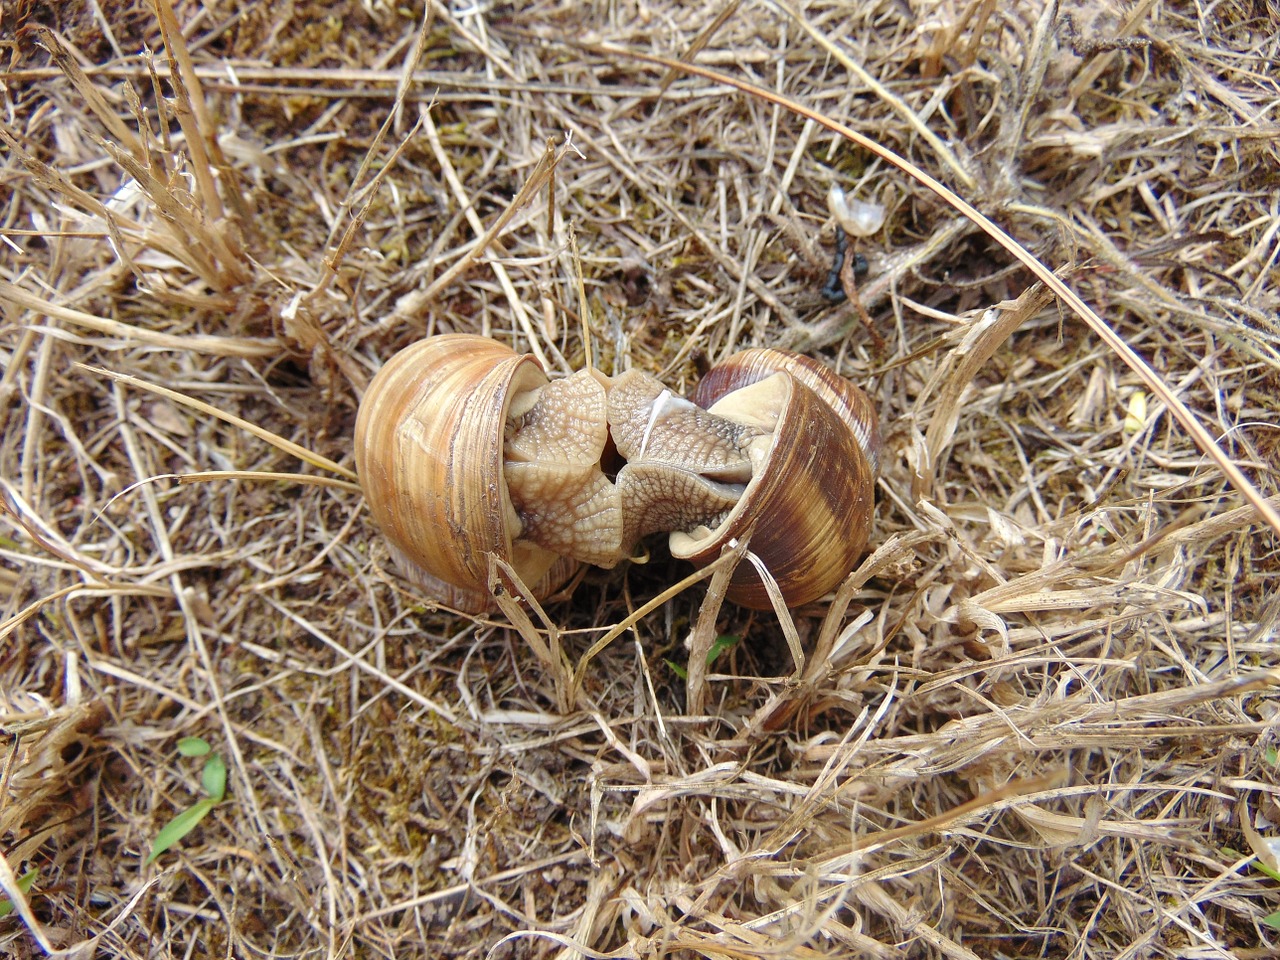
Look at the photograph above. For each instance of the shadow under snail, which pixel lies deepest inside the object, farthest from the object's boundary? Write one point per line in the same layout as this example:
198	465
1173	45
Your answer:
465	449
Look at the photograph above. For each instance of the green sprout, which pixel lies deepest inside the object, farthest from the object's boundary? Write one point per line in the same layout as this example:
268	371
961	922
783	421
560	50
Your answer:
24	884
214	780
722	643
1272	920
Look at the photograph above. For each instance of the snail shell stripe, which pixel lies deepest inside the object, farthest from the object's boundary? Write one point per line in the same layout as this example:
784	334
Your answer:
807	508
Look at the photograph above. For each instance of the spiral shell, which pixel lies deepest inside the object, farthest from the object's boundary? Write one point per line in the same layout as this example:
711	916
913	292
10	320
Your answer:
807	508
429	453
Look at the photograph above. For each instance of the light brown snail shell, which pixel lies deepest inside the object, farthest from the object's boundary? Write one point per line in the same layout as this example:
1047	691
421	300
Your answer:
807	508
432	446
467	452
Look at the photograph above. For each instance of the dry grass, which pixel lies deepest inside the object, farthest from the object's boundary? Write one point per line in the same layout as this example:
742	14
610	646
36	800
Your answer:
1037	722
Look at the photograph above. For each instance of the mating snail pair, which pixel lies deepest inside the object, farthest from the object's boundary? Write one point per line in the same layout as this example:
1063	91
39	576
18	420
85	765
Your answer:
466	449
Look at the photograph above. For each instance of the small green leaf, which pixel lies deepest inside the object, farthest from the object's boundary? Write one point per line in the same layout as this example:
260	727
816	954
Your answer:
723	643
193	747
1272	756
214	778
1273	874
1272	920
180	826
24	884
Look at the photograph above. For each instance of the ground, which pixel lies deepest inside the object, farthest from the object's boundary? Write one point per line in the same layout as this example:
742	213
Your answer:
1036	720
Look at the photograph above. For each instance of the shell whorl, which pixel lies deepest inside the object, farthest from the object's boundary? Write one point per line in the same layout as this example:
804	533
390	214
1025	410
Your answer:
429	453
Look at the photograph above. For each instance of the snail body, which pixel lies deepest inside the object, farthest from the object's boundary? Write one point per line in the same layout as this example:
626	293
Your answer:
466	451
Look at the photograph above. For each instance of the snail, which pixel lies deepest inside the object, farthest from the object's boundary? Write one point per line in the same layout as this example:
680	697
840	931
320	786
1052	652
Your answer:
467	450
814	455
434	434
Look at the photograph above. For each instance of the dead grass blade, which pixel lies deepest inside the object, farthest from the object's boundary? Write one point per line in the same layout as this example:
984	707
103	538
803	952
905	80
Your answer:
260	476
9	885
195	343
505	586
1203	439
539	178
279	442
202	142
954	375
700	42
93	99
729	558
943	152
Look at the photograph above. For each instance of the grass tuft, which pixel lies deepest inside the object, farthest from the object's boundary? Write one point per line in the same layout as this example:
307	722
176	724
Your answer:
1037	720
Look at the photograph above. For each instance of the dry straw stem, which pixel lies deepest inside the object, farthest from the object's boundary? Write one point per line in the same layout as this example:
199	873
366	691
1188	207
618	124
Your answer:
288	446
197	124
128	333
1204	440
32	783
1081	600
